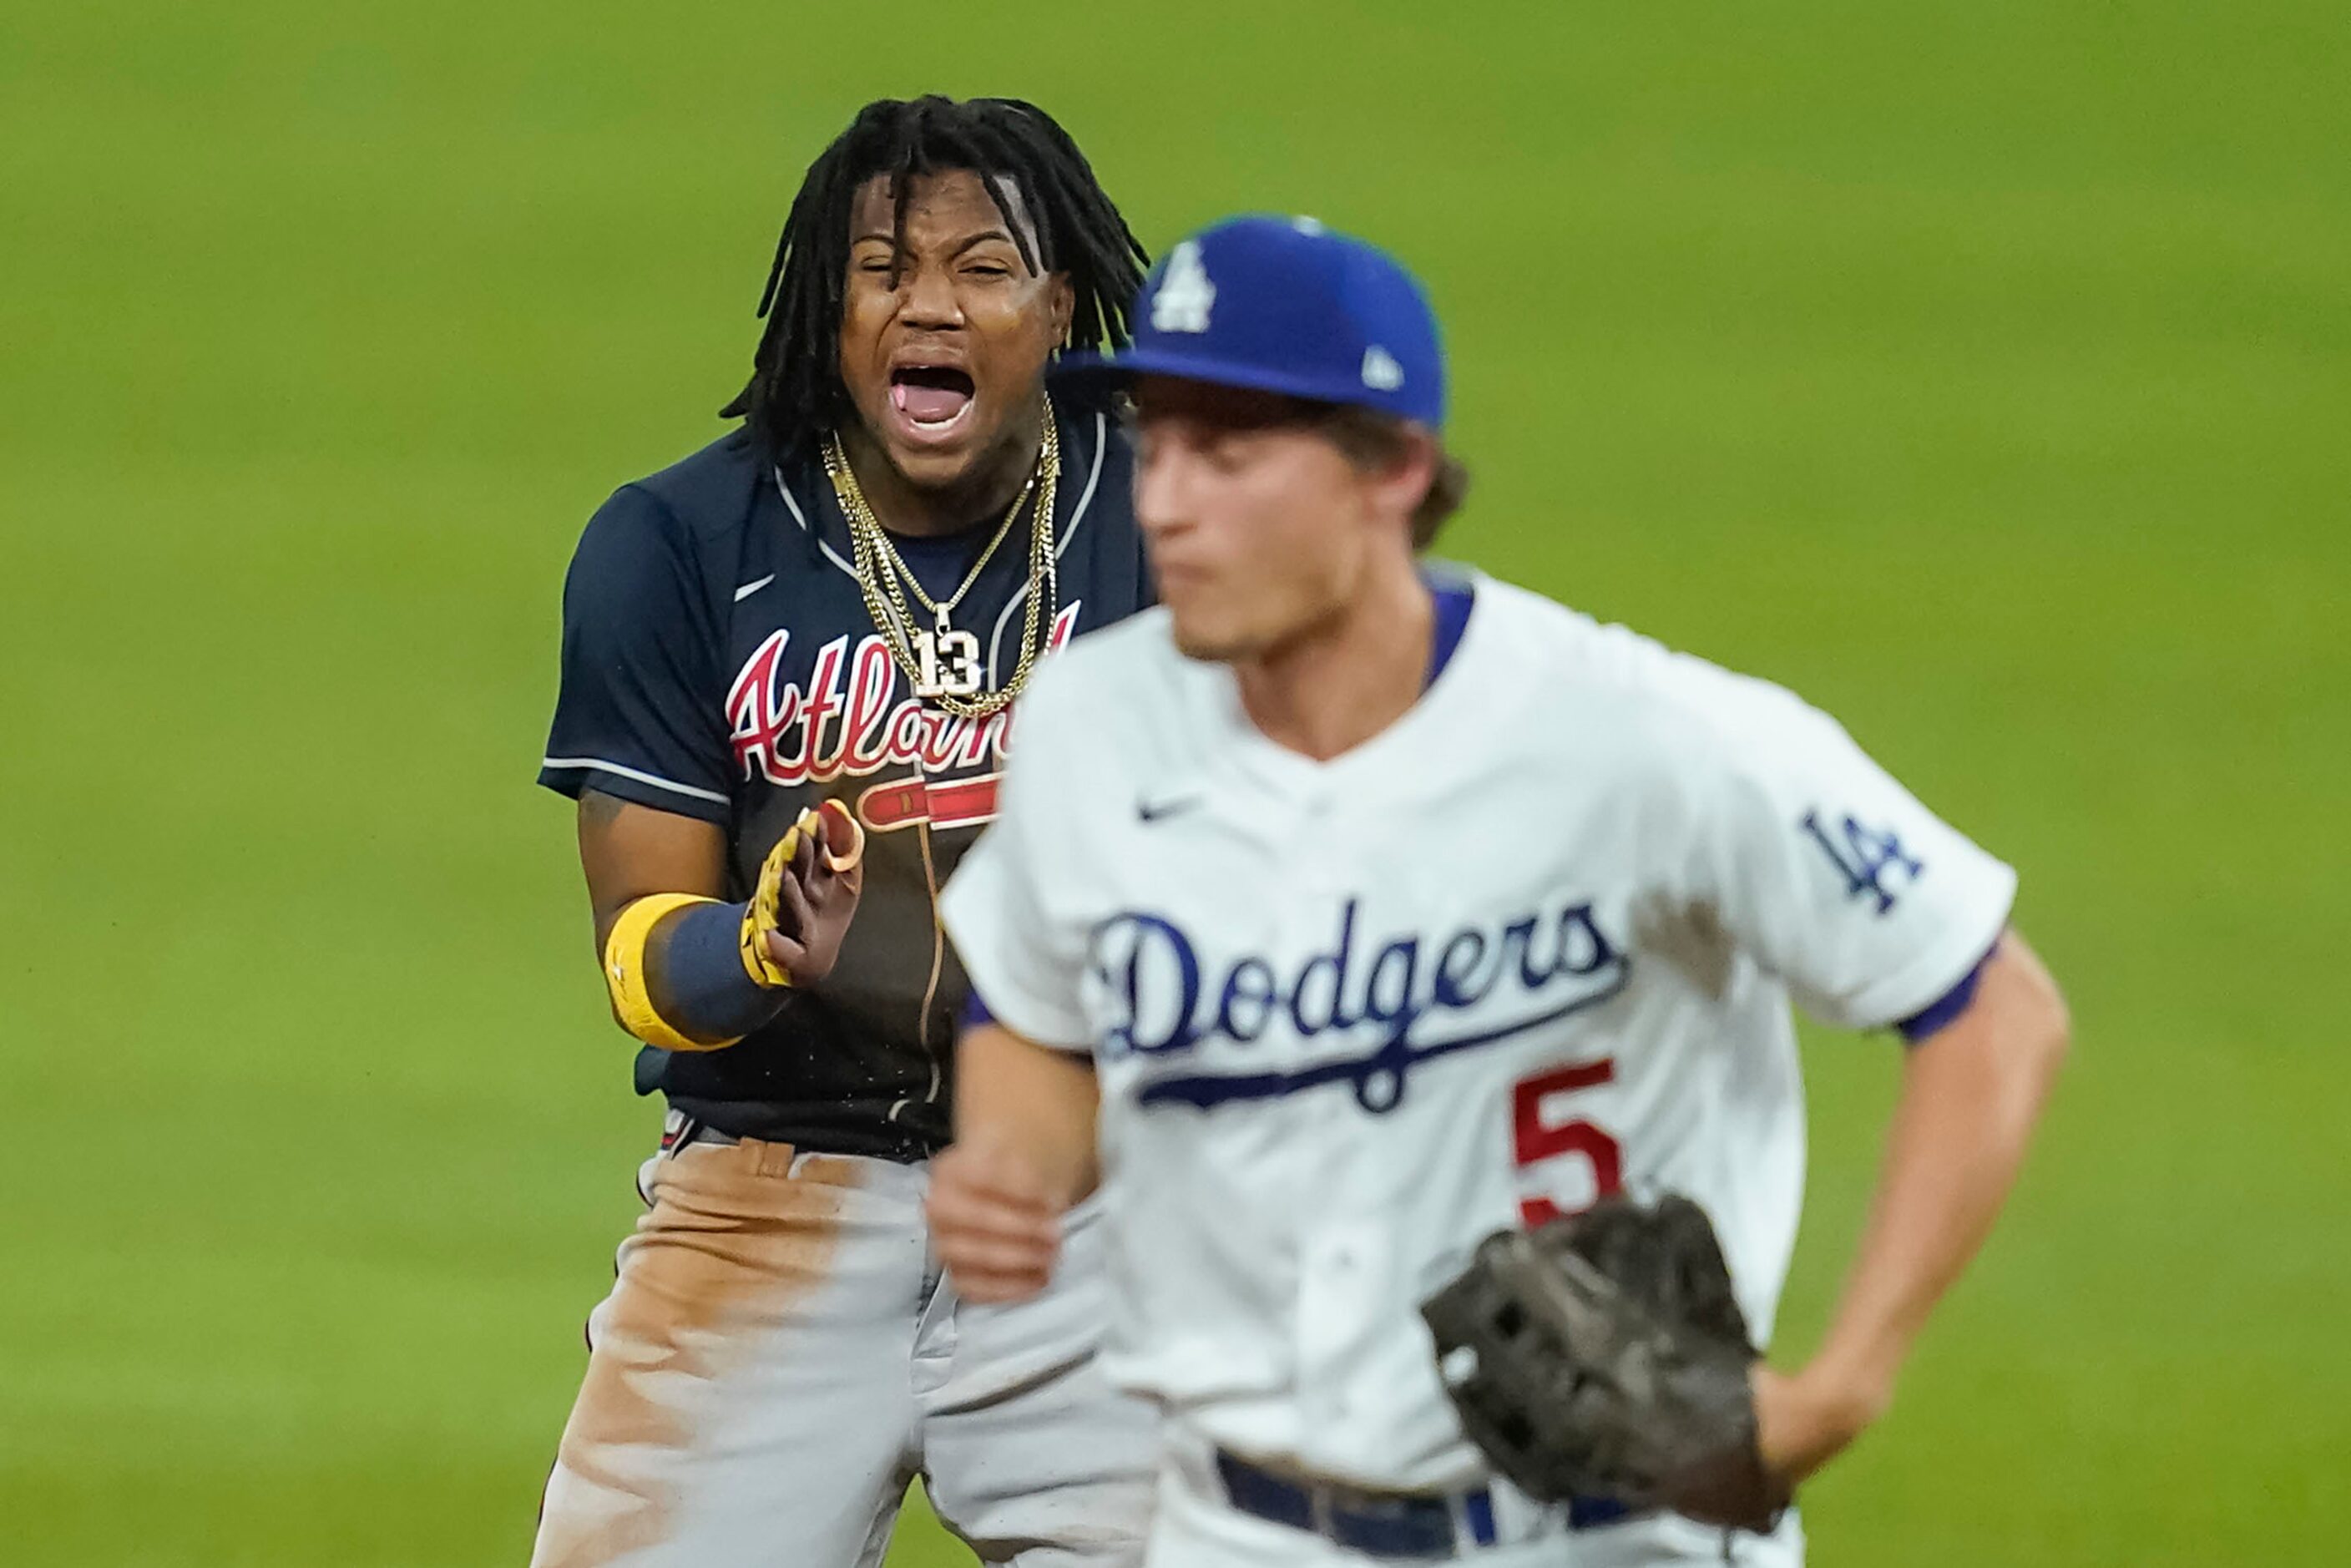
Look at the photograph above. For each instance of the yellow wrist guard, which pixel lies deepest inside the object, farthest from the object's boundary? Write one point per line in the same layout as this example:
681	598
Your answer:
760	916
625	972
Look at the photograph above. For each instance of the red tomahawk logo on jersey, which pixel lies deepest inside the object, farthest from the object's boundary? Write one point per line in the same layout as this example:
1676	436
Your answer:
940	803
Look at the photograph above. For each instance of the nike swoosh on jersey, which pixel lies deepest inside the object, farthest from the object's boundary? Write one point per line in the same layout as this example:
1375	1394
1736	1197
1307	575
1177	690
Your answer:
1153	811
749	588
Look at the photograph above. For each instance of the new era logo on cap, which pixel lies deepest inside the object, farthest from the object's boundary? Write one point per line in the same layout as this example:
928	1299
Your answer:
1381	373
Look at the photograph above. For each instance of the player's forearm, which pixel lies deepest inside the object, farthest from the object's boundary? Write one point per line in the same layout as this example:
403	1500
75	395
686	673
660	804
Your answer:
1970	1096
1023	1153
1023	1101
687	972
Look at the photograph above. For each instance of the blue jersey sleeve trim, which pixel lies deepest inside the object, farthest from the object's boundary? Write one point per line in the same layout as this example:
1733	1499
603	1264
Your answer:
1454	602
976	1014
1939	1013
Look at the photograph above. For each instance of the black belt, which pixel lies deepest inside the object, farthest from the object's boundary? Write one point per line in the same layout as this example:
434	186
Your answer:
1380	1523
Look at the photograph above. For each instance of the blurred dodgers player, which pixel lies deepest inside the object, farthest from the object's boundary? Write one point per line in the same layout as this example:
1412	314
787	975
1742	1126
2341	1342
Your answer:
1353	911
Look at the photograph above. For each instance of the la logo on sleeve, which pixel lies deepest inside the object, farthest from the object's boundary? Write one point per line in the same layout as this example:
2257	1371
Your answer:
1868	857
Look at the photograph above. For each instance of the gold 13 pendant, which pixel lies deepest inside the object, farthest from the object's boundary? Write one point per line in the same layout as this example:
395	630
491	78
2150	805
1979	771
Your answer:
946	661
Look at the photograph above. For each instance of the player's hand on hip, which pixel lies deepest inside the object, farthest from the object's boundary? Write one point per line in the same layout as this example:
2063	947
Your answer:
995	1227
1804	1419
819	895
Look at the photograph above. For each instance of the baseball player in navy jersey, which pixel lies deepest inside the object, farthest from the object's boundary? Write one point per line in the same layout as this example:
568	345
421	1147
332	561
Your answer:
1341	911
787	671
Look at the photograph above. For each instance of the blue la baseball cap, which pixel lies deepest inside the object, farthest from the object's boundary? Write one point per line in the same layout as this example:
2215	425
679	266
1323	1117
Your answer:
1285	305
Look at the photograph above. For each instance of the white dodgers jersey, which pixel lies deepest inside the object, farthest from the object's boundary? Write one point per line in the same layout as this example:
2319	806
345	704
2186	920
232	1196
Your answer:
1534	942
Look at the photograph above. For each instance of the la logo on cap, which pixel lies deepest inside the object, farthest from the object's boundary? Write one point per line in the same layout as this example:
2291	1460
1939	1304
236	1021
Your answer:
1381	372
1184	294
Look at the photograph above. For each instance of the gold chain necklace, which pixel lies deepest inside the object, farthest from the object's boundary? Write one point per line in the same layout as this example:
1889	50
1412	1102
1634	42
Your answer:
944	664
900	572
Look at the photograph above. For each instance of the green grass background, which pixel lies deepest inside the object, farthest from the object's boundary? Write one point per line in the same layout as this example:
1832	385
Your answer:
1982	371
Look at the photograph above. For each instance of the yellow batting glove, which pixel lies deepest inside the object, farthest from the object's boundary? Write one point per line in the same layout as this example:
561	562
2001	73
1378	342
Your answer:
760	917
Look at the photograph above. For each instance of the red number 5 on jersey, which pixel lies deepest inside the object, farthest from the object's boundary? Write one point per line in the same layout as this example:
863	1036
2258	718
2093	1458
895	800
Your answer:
1547	1134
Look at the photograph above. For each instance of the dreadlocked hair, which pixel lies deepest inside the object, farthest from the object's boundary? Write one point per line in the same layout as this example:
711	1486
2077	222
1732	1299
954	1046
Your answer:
1020	153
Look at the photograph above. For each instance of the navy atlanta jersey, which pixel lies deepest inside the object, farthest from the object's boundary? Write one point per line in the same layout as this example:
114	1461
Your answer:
719	662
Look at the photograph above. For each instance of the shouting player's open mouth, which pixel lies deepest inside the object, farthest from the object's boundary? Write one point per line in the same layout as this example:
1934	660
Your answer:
932	402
